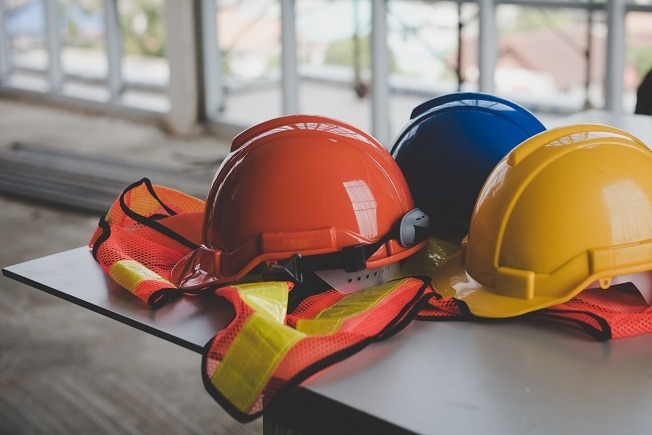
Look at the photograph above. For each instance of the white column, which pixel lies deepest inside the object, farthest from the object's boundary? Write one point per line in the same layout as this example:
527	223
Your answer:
53	39
615	55
115	83
181	52
213	74
380	73
289	74
487	45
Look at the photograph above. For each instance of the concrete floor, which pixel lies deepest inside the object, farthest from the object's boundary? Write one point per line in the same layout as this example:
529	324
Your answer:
66	370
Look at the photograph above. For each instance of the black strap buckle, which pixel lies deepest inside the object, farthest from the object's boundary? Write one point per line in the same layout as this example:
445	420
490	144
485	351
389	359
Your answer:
291	267
354	258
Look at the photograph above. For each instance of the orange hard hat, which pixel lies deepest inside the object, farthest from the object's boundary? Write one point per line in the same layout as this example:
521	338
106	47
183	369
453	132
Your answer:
303	193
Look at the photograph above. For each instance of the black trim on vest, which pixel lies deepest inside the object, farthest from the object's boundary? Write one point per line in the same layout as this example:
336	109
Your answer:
148	221
603	334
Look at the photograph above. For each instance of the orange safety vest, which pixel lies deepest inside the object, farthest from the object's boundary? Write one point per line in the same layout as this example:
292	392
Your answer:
267	349
617	312
265	352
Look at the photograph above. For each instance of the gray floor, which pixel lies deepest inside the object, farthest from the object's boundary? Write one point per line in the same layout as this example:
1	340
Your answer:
66	370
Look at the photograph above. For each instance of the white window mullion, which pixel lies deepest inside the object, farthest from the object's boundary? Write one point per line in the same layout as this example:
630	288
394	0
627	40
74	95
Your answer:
213	74
487	45
289	74
115	82
615	55
53	40
380	72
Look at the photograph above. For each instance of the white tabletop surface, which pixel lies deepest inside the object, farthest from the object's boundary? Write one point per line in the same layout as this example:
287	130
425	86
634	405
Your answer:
498	378
75	276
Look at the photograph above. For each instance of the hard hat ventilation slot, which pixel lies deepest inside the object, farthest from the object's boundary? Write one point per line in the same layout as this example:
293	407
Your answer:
370	274
349	282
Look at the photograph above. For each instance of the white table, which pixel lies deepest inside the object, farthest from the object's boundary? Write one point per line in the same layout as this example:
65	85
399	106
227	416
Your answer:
505	377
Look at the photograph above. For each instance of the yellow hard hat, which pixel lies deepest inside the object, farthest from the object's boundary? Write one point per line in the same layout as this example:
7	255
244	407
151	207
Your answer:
565	208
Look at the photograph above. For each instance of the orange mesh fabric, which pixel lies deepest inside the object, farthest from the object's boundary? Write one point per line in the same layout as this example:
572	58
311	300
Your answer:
618	312
347	328
438	308
136	246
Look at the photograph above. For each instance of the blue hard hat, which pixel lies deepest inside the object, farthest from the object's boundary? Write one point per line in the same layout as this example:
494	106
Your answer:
449	147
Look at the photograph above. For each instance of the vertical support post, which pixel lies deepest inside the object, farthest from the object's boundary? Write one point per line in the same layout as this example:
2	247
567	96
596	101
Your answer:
588	57
615	55
213	74
380	72
53	38
289	74
182	53
4	49
487	49
115	83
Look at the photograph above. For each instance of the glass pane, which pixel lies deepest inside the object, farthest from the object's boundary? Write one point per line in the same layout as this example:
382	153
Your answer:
545	59
142	23
638	28
25	30
248	35
333	51
424	44
83	54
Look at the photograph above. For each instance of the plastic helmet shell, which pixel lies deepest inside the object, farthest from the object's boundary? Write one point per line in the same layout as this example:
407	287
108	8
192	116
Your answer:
297	184
449	147
566	208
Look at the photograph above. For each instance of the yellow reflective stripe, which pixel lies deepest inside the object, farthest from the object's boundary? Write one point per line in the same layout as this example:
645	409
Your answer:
270	298
251	359
329	320
130	273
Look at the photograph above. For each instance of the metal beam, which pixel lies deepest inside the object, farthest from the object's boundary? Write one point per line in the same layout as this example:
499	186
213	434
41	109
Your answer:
115	83
53	40
380	73
487	45
615	55
289	74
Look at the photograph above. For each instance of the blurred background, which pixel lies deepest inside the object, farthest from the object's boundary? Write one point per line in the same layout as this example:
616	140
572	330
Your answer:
96	94
235	63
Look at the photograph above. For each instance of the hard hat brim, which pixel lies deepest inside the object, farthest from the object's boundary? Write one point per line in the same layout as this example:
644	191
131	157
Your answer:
452	280
190	272
197	270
